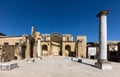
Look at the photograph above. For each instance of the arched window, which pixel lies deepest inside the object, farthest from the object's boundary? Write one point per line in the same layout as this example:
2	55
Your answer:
56	37
44	50
44	47
67	47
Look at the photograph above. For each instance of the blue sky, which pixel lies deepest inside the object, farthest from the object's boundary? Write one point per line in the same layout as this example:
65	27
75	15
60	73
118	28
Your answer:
76	17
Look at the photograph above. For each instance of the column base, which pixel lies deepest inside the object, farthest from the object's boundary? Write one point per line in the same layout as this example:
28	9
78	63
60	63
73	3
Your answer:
104	65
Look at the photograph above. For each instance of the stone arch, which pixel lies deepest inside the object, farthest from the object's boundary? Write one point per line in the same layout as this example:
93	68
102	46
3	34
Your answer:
56	39
68	51
44	50
68	47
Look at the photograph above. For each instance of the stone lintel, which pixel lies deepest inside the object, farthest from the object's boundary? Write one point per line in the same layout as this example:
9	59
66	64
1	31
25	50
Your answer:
102	12
103	64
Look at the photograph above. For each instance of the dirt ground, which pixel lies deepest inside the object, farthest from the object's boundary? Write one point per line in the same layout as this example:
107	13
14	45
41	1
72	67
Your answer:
58	66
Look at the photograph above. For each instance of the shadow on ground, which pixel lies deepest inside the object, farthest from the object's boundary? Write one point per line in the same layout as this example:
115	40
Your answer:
80	61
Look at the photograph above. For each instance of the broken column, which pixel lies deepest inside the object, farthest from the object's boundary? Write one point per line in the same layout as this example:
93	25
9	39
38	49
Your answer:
102	61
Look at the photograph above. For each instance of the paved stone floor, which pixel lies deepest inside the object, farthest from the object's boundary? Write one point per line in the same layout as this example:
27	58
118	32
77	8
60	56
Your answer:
60	67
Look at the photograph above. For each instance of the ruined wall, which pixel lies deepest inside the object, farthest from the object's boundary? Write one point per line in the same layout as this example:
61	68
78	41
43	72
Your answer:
65	47
119	46
81	46
10	40
35	50
28	49
8	53
112	47
68	49
45	48
113	50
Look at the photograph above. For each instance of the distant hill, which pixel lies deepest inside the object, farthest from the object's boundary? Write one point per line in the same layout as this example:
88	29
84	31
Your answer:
1	34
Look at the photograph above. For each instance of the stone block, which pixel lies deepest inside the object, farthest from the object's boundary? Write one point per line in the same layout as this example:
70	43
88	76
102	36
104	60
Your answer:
8	66
31	60
103	65
76	59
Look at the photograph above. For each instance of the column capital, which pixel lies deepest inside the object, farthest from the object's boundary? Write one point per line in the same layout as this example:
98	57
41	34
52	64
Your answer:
102	13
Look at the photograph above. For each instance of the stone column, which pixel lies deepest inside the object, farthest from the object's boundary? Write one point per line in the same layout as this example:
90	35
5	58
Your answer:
0	55
102	61
34	50
28	49
38	48
49	52
79	49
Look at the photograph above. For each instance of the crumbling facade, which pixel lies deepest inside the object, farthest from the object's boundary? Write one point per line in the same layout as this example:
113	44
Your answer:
36	45
58	44
14	47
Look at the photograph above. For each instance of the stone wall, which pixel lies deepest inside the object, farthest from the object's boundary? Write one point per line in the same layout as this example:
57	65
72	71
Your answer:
119	46
8	53
10	40
68	49
81	46
45	48
113	50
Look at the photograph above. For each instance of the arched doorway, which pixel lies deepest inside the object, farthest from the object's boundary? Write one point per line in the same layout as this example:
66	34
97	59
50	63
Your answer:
68	51
44	50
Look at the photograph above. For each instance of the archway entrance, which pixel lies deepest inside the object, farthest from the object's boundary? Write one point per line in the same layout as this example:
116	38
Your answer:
56	44
44	50
68	51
